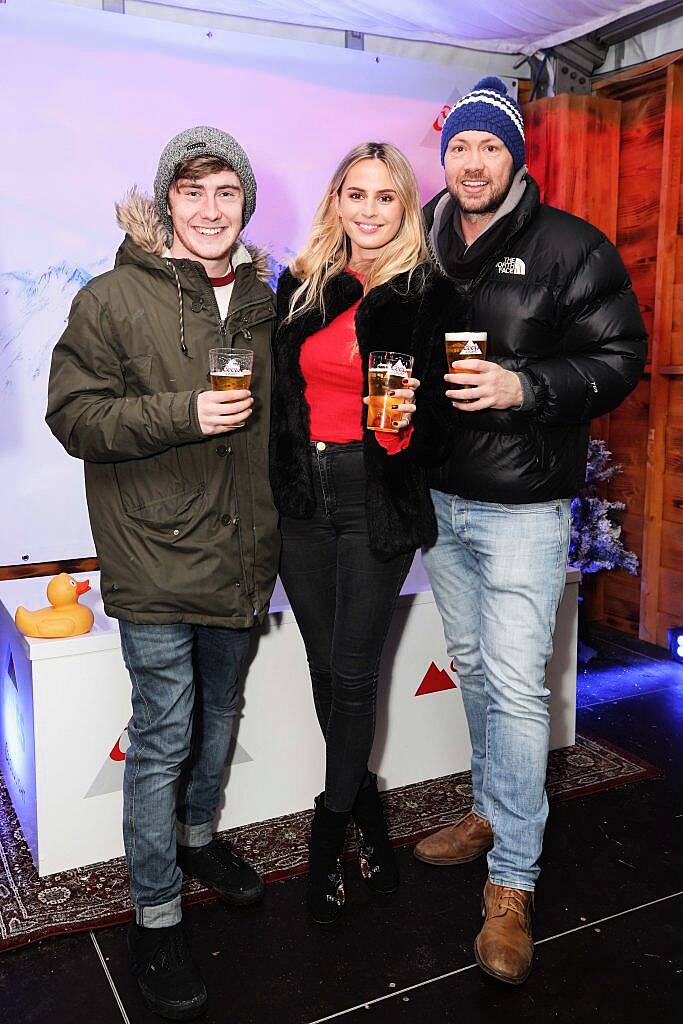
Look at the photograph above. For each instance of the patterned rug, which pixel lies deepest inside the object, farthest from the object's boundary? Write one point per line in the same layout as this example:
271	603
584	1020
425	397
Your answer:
33	908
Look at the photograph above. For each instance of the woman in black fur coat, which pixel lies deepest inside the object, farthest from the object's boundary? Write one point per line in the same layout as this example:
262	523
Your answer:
354	502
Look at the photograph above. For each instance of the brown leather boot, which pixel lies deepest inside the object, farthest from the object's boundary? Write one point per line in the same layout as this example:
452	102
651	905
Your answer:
470	838
504	947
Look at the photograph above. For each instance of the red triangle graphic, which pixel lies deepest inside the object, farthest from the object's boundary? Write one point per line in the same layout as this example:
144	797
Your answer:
435	680
116	753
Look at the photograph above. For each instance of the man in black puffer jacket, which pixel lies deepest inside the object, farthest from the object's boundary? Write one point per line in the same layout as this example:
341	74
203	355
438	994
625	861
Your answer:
566	343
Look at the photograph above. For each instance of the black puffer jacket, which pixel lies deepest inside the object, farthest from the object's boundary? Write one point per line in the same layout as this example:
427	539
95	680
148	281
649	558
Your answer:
400	317
557	303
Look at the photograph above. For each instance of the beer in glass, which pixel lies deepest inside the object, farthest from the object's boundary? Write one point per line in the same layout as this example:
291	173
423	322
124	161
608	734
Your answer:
386	372
464	345
230	369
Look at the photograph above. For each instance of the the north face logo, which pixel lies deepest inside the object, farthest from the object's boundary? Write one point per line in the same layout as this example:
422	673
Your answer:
511	265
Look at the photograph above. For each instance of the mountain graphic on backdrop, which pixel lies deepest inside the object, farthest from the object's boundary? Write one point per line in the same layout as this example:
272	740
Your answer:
34	309
435	680
33	312
109	778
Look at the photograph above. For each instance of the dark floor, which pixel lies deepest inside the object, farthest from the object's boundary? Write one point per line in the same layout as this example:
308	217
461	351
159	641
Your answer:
608	925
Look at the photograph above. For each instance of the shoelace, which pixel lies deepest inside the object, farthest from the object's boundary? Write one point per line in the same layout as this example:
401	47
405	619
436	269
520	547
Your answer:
512	899
226	852
170	954
472	822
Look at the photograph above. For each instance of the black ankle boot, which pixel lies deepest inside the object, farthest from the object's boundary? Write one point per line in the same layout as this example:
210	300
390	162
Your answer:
325	896
166	974
375	854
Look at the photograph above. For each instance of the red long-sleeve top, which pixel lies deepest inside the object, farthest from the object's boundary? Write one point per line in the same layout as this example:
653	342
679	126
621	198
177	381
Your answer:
331	365
333	372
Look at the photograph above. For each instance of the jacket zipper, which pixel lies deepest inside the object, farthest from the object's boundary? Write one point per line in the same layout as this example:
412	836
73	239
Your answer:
241	309
246	330
247	336
222	328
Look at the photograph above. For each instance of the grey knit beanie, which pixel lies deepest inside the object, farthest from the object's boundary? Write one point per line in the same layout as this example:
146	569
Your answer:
202	141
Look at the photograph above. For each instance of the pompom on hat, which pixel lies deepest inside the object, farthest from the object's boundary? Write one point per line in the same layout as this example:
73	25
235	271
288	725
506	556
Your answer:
488	108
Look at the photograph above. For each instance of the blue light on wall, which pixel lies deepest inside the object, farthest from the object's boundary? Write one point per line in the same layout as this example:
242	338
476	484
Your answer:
676	643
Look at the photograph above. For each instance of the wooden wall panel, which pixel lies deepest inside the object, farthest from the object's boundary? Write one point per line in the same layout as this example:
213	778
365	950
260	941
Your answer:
672	547
672	505
671	593
677	341
566	135
645	434
664	624
535	130
567	138
641	157
642	274
662	588
628	443
640	165
640	168
673	498
677	323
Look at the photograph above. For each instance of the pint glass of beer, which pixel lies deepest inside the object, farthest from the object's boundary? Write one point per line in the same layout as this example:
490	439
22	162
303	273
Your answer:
230	369
386	372
464	345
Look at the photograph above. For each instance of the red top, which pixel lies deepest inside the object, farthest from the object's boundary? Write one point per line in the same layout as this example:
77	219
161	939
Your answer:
333	373
334	380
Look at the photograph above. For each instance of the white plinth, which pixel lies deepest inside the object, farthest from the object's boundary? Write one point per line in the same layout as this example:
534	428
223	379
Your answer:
64	705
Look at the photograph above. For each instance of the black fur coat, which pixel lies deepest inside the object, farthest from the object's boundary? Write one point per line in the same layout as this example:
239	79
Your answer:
400	316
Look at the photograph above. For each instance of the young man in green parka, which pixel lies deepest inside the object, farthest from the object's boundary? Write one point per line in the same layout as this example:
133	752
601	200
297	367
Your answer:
182	516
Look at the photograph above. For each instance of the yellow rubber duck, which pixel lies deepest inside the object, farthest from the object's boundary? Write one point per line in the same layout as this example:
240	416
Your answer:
66	617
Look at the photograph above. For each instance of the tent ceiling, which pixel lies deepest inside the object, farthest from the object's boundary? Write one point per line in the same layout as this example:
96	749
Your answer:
508	26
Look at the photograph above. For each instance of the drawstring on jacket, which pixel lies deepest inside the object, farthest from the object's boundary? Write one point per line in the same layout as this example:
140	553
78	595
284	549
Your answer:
183	346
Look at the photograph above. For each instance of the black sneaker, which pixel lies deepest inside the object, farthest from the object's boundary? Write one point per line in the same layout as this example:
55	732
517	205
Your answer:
221	868
167	976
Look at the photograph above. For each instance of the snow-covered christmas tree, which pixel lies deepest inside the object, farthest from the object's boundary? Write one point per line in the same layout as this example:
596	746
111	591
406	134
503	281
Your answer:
595	542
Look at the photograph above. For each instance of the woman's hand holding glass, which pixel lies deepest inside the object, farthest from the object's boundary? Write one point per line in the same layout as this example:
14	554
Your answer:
404	402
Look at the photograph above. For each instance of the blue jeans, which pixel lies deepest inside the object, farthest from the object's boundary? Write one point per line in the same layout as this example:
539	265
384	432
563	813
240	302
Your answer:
185	698
498	573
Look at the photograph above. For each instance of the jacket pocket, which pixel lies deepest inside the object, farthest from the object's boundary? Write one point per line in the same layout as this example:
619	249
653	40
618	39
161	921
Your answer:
156	491
138	372
540	445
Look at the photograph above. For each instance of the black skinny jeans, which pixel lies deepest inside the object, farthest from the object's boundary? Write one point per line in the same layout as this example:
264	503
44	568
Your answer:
343	599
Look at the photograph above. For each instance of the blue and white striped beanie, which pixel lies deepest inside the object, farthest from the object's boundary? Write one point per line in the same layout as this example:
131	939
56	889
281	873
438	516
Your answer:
488	108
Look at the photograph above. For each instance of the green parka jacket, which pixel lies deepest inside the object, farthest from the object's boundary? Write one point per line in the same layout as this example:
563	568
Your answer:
184	525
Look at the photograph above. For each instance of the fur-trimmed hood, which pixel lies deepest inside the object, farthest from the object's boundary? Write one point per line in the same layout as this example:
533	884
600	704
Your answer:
137	216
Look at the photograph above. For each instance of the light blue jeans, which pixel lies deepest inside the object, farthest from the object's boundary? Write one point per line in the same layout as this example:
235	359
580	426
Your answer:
185	699
498	573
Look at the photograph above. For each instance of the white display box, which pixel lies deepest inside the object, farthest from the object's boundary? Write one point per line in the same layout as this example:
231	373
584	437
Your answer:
64	705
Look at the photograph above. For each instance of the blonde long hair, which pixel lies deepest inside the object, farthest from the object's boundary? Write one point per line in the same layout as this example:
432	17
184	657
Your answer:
327	251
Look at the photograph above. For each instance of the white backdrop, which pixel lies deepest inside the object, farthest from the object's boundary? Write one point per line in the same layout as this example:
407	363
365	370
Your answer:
87	102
